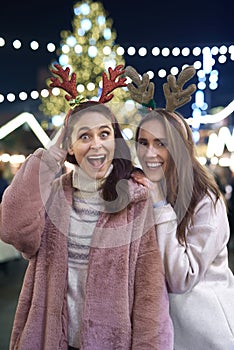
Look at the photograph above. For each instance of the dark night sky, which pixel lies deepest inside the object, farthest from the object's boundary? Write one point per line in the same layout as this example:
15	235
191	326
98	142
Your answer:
139	23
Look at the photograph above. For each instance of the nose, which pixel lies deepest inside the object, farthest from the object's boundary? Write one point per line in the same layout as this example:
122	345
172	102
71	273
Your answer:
151	151
96	144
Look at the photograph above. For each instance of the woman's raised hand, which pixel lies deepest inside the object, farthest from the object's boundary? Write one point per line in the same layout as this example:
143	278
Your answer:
56	147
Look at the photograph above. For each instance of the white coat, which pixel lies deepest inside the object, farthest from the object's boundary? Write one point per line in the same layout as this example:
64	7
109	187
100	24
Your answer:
200	283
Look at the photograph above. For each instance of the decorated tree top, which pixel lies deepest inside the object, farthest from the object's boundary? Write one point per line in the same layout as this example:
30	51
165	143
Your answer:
88	51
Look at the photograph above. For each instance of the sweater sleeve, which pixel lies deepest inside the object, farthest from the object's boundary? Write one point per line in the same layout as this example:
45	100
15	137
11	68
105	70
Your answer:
186	265
23	204
151	323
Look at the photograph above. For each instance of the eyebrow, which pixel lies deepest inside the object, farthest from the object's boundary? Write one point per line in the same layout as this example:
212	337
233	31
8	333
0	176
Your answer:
155	139
85	128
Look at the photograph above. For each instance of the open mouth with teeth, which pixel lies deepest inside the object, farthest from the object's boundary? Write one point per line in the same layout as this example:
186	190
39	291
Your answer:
153	165
96	161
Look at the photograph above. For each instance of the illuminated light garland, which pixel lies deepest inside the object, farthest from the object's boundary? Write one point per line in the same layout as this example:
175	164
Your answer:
216	148
213	118
223	50
131	50
222	162
12	159
142	52
23	95
217	142
34	45
18	121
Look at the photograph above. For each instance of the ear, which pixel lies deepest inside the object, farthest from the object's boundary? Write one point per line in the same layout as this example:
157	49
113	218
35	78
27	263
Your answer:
70	151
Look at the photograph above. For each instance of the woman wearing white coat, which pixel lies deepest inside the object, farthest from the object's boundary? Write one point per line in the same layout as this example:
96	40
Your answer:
193	232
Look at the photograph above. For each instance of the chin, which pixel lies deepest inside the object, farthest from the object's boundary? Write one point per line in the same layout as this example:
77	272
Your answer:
98	175
154	178
155	175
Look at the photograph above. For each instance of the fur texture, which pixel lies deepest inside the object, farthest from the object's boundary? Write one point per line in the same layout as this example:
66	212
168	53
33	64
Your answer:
126	304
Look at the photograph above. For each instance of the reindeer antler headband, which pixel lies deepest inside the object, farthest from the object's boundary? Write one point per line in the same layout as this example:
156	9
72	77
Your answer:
142	90
70	85
173	90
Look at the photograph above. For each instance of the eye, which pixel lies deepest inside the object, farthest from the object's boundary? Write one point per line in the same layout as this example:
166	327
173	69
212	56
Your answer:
84	137
160	143
105	134
142	142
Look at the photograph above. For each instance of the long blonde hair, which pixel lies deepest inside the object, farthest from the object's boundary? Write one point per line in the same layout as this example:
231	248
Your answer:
186	180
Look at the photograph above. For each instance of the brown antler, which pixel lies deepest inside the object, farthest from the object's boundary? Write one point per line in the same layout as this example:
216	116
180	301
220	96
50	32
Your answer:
67	85
143	90
108	85
173	90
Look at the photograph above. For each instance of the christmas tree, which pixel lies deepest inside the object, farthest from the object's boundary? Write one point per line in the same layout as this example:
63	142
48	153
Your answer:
89	51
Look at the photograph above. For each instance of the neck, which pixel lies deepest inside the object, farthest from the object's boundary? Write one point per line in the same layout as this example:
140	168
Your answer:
85	183
157	192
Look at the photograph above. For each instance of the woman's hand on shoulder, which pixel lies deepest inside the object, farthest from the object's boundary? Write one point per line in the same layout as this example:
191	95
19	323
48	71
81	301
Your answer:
141	179
154	187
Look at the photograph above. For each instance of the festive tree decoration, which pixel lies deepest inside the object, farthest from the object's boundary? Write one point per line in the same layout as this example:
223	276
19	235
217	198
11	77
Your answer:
88	51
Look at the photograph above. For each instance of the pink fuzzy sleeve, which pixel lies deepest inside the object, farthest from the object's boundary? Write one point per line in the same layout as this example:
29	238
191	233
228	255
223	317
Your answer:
23	204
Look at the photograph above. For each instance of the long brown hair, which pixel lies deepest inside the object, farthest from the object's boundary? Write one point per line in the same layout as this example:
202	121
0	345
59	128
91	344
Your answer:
186	180
114	191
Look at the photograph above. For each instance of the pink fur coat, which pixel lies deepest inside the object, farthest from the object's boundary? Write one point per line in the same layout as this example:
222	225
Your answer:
126	304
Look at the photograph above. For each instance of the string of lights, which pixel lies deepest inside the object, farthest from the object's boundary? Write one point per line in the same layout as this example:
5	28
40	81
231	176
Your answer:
225	51
222	54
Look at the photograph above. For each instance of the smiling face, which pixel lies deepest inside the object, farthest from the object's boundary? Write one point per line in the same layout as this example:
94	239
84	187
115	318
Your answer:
151	149
93	144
